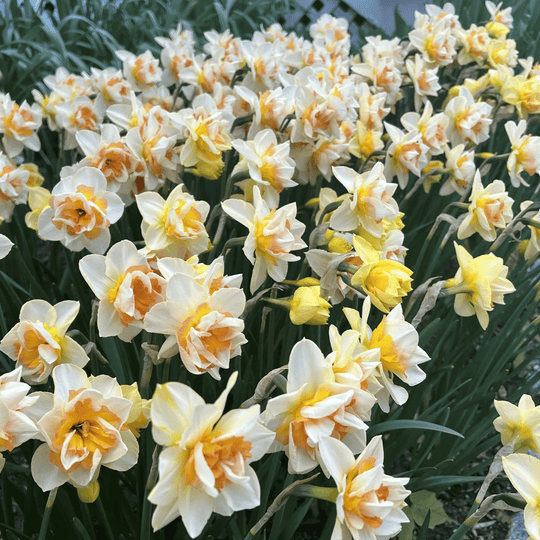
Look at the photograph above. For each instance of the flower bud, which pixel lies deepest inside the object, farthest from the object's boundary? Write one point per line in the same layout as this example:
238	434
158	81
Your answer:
89	493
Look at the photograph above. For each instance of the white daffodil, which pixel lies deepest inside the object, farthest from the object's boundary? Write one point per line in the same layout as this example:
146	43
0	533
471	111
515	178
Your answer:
352	362
469	119
205	465
525	155
267	162
173	227
397	341
16	427
126	286
406	153
370	203
19	124
14	186
462	170
205	328
524	473
369	502
315	406
424	79
273	234
5	245
210	275
82	425
432	127
38	342
109	153
140	71
80	212
490	208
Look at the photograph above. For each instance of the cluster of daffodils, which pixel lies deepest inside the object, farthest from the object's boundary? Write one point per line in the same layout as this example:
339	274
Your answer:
305	157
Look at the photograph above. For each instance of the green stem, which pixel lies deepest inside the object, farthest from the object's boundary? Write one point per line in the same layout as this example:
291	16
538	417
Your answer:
104	519
47	514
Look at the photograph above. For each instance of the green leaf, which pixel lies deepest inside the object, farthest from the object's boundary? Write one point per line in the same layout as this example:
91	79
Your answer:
423	502
438	483
393	425
402	28
407	529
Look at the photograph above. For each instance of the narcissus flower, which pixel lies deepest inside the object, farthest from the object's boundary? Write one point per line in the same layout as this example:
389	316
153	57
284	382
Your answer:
267	162
369	203
399	353
273	234
38	200
139	415
19	125
205	465
16	427
38	342
385	281
306	306
315	406
469	119
525	155
369	502
205	328
524	473
126	286
519	422
478	284
83	426
5	245
490	208
174	227
81	211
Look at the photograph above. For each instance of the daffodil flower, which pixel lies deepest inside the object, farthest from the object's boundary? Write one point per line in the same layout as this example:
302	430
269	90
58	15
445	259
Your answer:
524	473
38	342
82	425
205	466
315	406
369	502
479	284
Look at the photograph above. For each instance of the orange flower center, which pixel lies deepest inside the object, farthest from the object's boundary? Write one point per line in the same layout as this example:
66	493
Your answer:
232	452
88	431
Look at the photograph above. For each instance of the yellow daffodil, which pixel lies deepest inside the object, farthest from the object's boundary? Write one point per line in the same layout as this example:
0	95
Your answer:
520	423
385	281
524	473
479	284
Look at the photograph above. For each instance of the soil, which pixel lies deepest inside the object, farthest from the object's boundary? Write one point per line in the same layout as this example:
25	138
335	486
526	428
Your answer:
457	502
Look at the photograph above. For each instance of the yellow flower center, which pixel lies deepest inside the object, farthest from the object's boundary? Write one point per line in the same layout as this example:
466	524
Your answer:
390	360
359	504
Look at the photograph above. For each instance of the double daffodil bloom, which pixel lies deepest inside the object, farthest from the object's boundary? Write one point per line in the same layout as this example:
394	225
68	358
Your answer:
84	426
205	465
369	502
38	342
315	406
385	281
